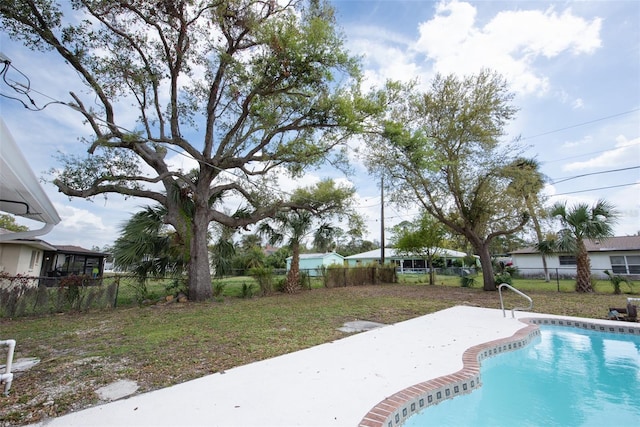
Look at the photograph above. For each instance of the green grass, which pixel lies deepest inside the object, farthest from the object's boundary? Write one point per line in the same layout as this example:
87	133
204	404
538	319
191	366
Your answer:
160	345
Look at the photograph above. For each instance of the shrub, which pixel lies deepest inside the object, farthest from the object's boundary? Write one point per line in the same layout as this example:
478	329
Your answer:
467	281
503	277
247	290
264	277
616	280
177	286
387	274
333	276
140	290
71	291
304	280
218	288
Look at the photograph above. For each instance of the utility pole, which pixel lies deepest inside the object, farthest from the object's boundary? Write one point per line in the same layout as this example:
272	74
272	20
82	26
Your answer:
382	220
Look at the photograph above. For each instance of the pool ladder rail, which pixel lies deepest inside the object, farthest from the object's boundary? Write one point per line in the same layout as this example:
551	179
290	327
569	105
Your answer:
506	285
7	377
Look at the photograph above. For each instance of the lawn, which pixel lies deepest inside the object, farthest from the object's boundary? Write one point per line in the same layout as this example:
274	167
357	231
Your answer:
161	345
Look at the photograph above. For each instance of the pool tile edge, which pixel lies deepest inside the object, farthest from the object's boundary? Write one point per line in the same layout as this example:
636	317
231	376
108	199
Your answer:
395	409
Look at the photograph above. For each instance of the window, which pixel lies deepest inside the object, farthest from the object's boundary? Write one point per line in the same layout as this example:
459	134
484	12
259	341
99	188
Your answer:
629	264
33	260
567	260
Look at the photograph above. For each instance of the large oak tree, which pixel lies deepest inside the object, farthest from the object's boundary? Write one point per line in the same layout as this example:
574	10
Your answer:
247	88
442	150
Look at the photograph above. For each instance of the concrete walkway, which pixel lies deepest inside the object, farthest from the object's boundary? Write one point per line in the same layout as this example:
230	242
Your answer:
333	384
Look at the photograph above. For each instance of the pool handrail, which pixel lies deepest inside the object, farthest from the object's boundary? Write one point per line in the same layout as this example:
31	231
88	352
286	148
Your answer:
506	285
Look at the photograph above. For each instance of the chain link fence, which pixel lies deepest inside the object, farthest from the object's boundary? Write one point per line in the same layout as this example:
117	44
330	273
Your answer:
31	296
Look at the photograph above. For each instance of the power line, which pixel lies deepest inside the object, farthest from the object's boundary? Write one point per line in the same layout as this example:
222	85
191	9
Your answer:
592	152
24	89
580	124
593	173
595	189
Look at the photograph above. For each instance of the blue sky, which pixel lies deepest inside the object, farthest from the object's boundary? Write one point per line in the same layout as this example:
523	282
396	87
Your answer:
574	67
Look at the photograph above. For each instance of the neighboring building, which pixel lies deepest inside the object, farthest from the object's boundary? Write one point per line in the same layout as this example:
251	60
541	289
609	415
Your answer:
37	258
313	263
23	256
619	255
67	260
269	250
405	263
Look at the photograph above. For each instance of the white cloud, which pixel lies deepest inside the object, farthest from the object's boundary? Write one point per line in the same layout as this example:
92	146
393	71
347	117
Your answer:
578	104
510	43
587	140
624	153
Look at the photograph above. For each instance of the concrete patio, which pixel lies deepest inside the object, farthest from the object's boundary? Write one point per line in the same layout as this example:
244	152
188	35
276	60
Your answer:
331	384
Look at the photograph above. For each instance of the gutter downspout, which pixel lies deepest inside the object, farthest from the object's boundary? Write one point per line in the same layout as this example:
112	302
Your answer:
26	234
7	377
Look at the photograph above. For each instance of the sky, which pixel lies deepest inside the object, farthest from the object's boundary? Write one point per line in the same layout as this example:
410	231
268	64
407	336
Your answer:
574	67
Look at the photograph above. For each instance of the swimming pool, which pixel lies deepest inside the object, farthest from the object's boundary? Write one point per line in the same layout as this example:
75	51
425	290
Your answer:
566	376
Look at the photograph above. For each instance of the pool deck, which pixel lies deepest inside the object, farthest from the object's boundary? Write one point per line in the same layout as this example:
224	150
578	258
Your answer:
333	384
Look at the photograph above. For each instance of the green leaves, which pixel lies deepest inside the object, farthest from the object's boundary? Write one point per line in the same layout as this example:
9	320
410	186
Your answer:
112	167
587	222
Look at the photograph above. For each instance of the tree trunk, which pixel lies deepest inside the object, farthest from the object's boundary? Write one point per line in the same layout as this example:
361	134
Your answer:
432	272
547	278
293	276
200	287
583	269
538	230
488	280
489	283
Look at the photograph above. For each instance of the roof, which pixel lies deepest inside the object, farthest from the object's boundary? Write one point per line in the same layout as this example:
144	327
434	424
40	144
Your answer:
77	250
318	255
391	253
34	243
20	192
41	244
618	243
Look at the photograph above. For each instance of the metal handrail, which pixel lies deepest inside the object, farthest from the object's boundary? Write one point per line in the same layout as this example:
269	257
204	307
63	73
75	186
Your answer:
7	377
506	285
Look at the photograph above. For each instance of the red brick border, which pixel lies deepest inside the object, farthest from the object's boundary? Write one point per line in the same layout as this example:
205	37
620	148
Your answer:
395	409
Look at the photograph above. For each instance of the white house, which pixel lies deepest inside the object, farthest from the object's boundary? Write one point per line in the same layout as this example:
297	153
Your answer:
22	257
404	262
312	263
619	255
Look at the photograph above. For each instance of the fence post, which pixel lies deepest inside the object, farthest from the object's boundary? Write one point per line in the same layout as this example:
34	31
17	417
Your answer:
115	300
557	279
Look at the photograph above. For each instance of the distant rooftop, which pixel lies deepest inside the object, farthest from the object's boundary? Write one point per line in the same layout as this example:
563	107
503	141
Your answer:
618	243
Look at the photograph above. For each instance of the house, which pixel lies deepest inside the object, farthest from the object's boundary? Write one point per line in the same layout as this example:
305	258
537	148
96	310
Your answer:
405	263
37	258
312	263
67	260
22	257
619	255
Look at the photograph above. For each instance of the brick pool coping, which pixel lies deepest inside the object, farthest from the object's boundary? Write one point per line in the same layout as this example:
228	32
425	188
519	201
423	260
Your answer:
395	409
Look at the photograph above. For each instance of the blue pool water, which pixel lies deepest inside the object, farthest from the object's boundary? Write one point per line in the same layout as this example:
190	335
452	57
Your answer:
568	377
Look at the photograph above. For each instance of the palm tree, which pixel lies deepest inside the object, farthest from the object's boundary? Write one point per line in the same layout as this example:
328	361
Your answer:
147	247
582	222
222	252
294	225
546	247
